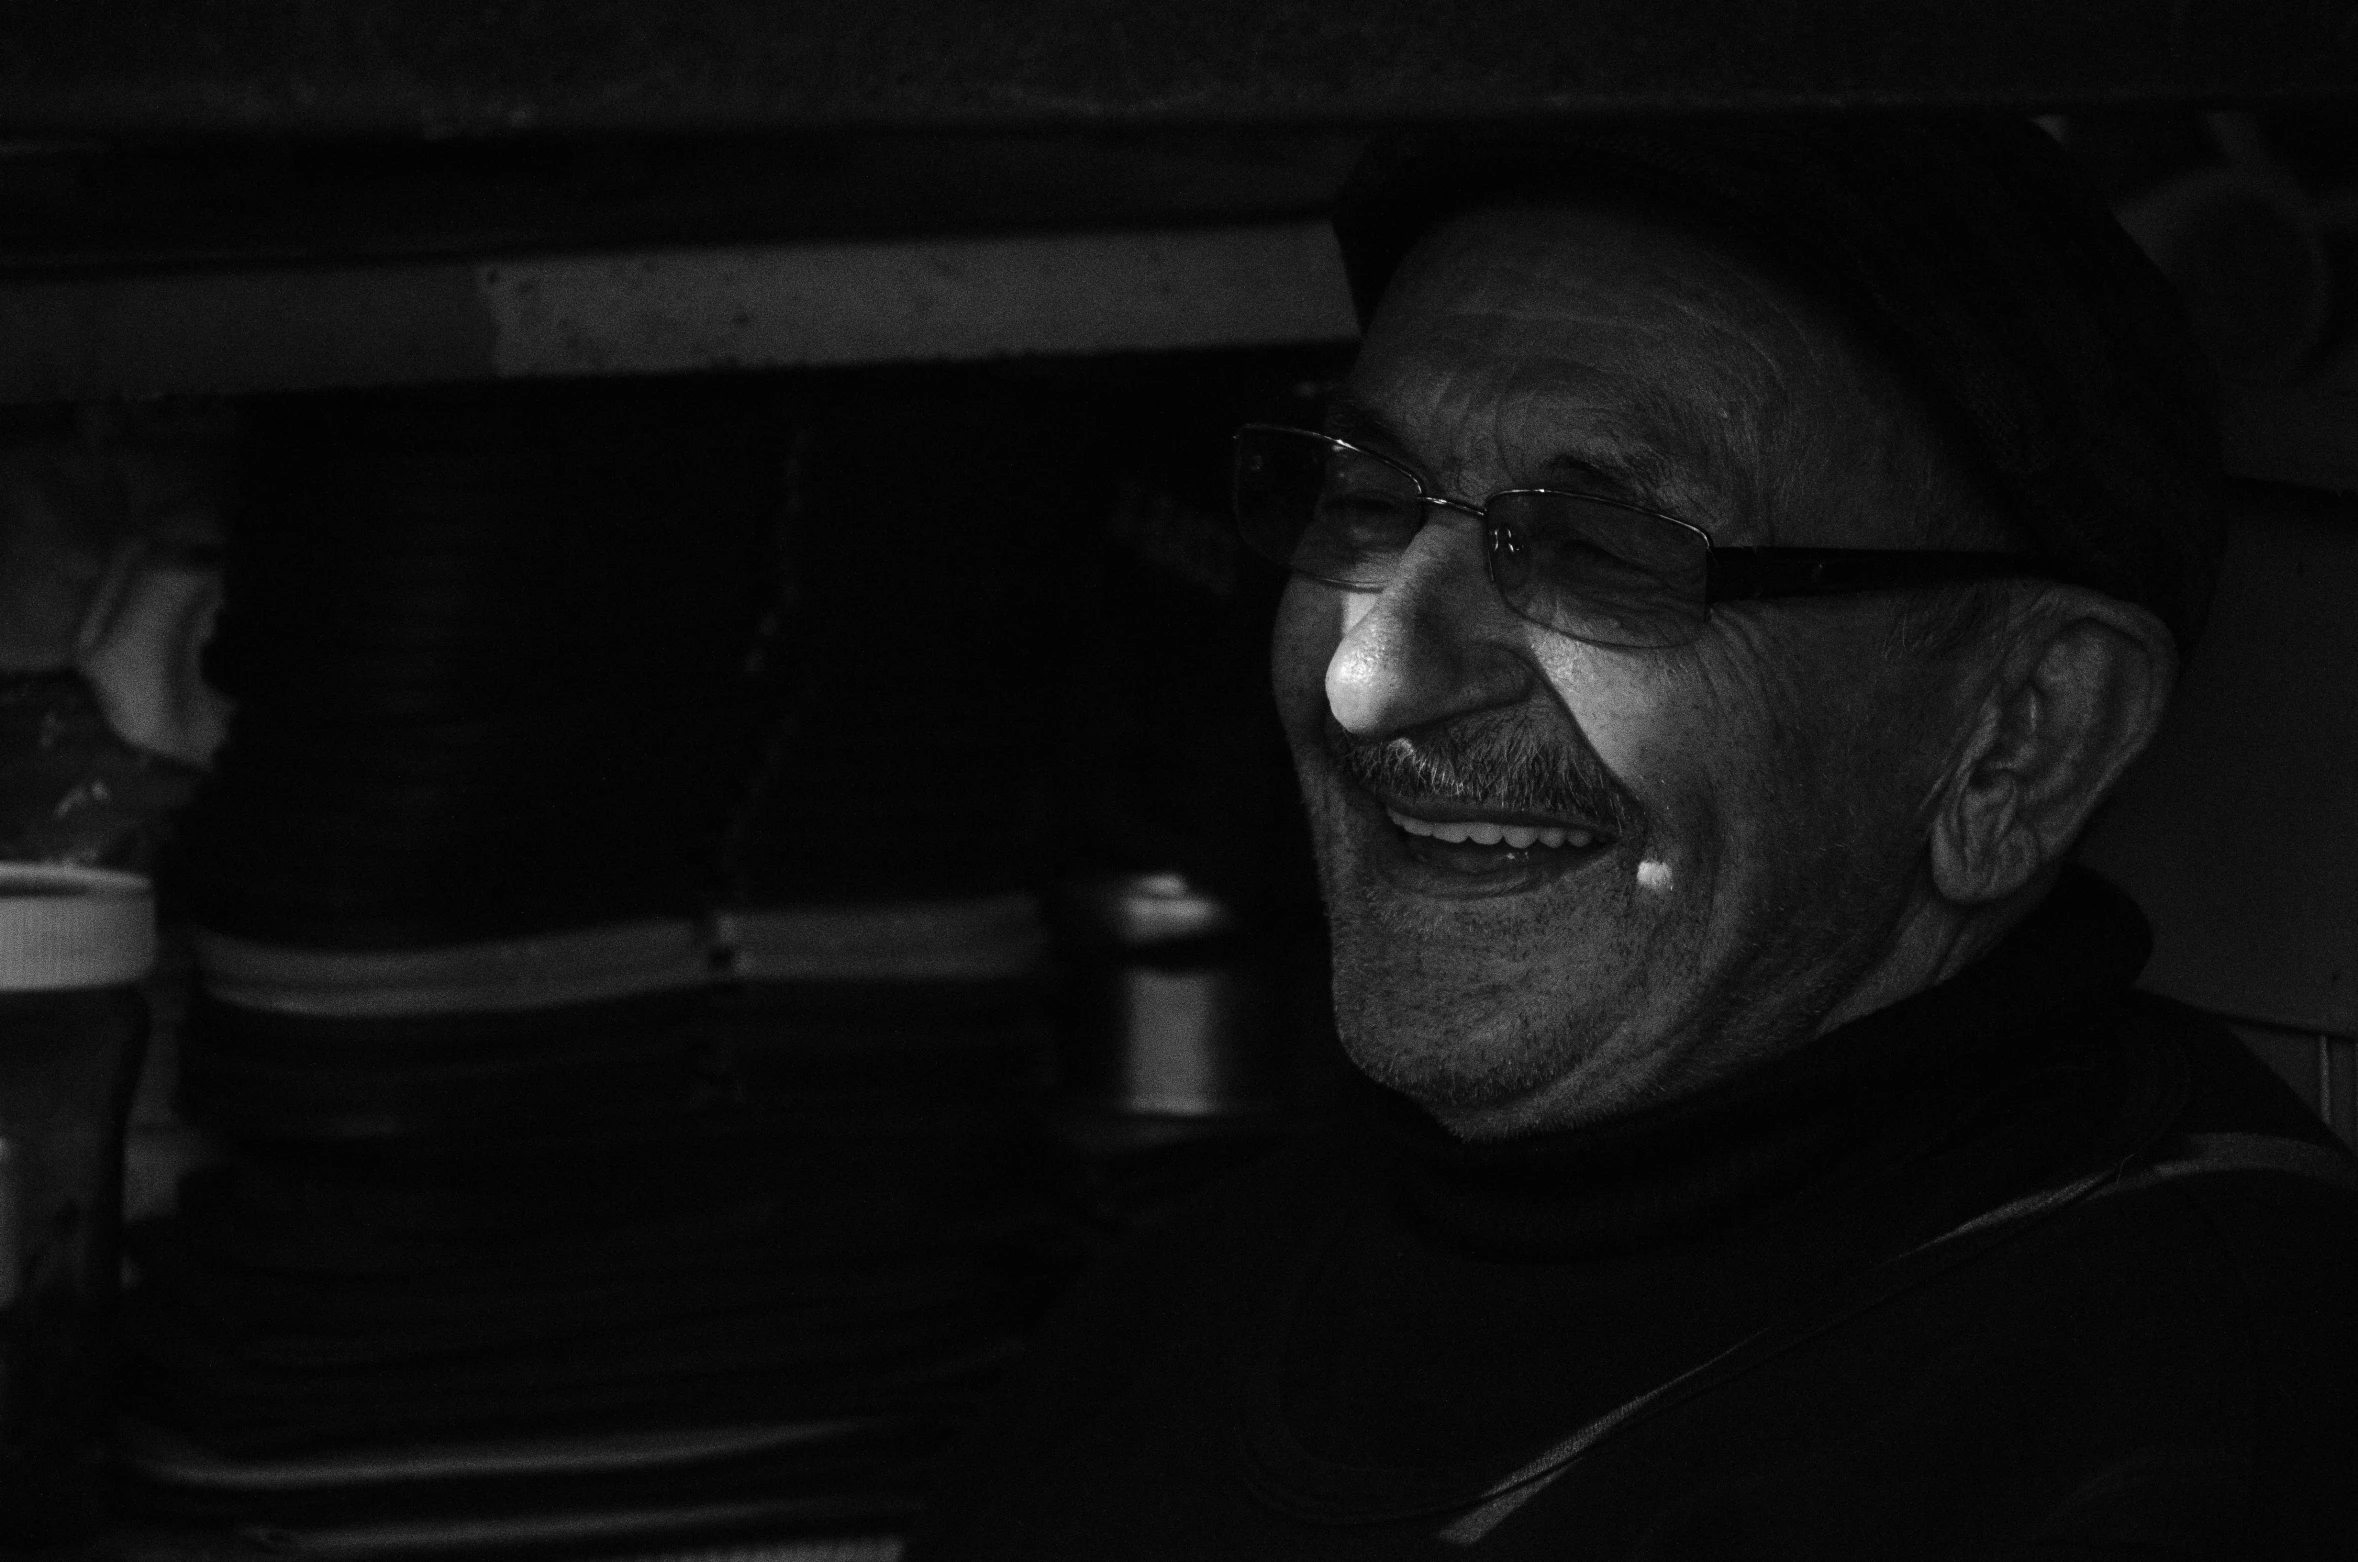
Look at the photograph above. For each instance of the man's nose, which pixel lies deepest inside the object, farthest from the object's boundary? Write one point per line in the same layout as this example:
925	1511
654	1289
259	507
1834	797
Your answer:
1435	642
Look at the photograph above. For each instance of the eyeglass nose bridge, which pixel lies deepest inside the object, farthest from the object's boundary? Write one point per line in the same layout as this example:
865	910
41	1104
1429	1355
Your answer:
1473	512
1498	539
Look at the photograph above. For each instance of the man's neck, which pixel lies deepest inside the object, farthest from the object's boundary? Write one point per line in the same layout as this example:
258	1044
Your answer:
1932	941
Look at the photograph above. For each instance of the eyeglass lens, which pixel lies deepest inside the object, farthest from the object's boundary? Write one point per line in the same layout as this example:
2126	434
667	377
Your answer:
1584	567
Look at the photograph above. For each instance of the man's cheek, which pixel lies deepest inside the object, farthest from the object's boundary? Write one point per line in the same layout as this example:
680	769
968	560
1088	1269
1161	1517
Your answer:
1310	624
1661	751
1635	708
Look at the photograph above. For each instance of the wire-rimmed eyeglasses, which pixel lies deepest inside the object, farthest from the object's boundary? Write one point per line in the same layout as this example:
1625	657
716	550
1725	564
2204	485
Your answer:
1597	569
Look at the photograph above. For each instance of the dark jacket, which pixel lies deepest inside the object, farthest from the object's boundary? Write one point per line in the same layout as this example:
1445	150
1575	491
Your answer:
2028	1265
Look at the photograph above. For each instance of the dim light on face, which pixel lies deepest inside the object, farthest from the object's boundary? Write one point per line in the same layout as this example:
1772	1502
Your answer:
1562	876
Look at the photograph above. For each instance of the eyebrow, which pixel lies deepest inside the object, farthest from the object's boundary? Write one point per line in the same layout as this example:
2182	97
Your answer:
1638	476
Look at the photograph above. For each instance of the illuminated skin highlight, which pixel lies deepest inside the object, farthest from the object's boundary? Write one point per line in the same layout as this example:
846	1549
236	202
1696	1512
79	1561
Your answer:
1777	784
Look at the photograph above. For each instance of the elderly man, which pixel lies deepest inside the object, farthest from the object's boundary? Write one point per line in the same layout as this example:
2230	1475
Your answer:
1741	559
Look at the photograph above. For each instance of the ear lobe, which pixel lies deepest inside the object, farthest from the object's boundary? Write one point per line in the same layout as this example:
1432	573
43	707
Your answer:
2077	694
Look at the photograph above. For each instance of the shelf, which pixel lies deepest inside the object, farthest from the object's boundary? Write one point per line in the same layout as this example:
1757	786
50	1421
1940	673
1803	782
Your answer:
654	311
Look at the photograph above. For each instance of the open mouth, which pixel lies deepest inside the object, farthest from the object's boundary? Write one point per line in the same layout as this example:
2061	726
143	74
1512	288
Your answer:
1493	832
1477	847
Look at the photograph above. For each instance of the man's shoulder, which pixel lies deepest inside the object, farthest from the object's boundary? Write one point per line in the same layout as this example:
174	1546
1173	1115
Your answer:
2244	1142
2229	1254
2246	1184
2209	1291
2228	1087
2205	1273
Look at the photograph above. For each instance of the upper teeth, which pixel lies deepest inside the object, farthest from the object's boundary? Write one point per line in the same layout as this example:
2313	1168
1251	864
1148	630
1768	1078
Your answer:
1483	833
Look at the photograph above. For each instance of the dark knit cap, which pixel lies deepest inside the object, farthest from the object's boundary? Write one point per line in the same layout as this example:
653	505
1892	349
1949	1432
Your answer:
1973	252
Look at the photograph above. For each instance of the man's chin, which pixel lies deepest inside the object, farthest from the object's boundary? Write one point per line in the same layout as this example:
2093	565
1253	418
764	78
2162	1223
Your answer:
1476	988
1450	1068
1443	1090
1488	1097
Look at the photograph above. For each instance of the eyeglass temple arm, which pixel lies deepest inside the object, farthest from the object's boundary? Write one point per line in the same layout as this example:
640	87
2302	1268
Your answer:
1740	573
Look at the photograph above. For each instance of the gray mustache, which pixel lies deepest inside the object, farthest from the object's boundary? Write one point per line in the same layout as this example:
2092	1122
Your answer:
1487	762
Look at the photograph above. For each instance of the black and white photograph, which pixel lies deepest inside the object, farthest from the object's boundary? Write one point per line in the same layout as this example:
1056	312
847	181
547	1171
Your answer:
1270	781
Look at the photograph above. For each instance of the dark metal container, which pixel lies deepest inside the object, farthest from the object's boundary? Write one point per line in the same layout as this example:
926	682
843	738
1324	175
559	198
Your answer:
1165	1017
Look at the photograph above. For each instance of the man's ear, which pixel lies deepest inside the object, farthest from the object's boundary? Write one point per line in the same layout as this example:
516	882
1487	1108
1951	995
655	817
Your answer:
2076	693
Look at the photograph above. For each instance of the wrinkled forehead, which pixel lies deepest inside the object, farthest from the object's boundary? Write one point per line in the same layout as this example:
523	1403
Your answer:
1520	339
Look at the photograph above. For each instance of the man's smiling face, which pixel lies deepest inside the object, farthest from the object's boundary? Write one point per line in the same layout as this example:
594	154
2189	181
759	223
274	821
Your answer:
1752	805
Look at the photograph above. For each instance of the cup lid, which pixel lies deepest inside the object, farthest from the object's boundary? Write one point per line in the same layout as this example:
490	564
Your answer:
65	926
1137	909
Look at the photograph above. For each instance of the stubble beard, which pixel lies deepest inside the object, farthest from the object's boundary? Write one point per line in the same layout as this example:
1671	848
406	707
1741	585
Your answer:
1456	1004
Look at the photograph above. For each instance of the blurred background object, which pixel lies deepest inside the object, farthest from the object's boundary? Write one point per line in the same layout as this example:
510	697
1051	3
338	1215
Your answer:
1165	1021
75	943
628	1003
109	582
2238	832
2242	242
488	650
